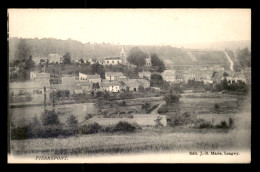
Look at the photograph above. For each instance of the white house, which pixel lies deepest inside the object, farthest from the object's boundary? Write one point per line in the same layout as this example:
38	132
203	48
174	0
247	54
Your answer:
113	76
35	76
82	76
55	58
113	61
113	86
168	75
148	62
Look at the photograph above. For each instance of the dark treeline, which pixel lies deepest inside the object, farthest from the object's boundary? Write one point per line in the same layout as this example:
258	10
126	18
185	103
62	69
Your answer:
23	48
43	47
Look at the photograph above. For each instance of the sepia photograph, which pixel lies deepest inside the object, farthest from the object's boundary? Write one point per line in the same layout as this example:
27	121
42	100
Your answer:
129	85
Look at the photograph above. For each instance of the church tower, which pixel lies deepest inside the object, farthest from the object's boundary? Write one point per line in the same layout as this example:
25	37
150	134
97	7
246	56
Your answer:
123	56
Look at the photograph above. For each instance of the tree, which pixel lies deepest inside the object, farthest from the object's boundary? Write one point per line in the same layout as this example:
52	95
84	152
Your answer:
81	61
50	118
23	51
157	63
224	84
99	69
244	57
156	80
172	98
137	57
67	58
29	64
72	121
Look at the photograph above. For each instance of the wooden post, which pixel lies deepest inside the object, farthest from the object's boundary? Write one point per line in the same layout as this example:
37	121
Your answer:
44	88
53	103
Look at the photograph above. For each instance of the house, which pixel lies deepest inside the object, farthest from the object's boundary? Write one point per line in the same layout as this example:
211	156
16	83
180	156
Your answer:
238	77
178	78
113	61
155	89
94	78
92	61
55	58
33	88
143	82
83	76
144	74
122	78
132	84
86	86
68	79
168	75
113	76
148	62
35	76
108	86
77	89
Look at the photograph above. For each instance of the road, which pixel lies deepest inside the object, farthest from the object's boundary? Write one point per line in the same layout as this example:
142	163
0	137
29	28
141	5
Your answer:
231	62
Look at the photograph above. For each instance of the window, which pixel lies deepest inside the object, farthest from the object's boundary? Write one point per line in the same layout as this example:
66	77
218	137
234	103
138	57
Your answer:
113	61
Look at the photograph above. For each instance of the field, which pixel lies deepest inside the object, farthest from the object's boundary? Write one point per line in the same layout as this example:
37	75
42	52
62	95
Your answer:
22	116
149	139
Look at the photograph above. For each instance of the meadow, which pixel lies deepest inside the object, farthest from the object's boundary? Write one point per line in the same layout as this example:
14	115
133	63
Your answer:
149	139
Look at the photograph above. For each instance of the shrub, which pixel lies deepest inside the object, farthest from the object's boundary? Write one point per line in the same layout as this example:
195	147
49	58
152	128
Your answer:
72	121
88	116
223	124
50	118
51	131
125	127
201	123
90	129
172	98
18	133
162	109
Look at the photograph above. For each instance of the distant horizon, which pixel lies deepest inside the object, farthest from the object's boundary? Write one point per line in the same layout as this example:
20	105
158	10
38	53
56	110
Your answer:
113	43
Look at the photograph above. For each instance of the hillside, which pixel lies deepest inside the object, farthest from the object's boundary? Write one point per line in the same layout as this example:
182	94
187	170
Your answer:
170	55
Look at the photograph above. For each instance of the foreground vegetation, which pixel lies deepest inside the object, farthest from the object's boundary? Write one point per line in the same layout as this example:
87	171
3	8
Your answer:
149	140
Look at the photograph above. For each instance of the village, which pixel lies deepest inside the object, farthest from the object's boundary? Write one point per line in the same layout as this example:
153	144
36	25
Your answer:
113	82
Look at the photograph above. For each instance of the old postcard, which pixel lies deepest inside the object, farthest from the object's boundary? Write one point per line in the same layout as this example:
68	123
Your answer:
129	85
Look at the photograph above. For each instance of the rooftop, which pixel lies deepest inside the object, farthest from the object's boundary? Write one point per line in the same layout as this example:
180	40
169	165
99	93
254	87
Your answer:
29	85
113	58
107	84
114	73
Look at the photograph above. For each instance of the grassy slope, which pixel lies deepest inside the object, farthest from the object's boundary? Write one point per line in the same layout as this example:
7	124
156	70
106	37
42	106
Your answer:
145	141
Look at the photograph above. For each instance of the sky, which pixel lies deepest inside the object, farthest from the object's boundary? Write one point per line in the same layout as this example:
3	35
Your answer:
132	26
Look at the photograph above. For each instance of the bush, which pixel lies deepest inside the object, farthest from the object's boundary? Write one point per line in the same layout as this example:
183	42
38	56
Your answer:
223	124
18	133
51	131
72	121
172	98
201	123
88	116
50	118
125	127
90	129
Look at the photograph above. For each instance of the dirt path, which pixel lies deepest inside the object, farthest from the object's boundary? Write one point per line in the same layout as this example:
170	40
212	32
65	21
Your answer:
155	111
